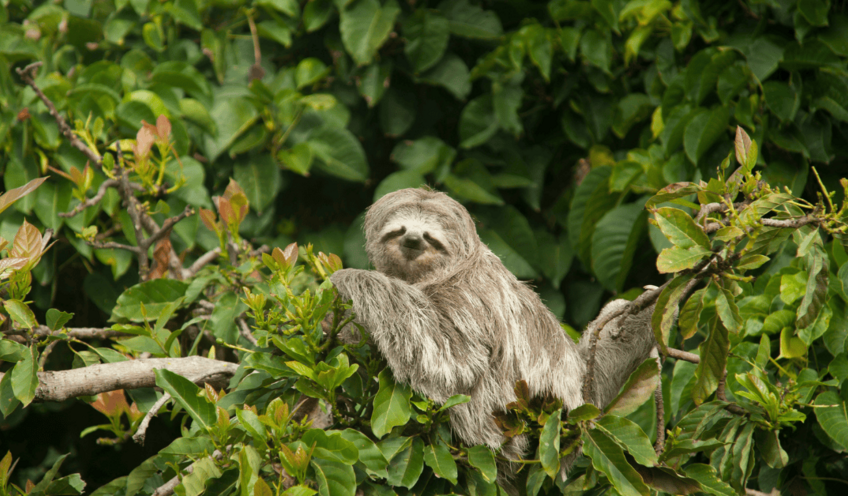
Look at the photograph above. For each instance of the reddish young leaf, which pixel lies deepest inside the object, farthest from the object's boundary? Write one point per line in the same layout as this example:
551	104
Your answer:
11	196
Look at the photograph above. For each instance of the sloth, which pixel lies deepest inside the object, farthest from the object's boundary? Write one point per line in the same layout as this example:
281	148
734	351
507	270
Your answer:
450	319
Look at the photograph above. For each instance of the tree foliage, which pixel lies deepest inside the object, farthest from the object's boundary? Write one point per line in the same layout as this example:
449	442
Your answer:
165	153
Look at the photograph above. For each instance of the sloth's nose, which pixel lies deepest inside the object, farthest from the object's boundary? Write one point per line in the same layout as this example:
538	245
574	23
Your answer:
412	241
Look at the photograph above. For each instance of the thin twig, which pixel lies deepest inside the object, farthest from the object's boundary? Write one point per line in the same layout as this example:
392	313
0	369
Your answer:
141	433
201	262
27	75
46	353
245	332
167	489
72	332
113	245
167	226
660	405
94	200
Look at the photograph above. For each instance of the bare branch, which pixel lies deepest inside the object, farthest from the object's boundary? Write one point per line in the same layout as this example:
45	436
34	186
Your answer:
94	200
754	492
141	433
245	332
201	262
132	374
683	355
166	227
660	406
27	75
167	489
115	246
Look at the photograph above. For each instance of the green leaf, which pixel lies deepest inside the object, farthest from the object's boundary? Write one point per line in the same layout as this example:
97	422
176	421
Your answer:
470	21
783	100
833	419
438	457
690	314
365	25
816	289
591	201
185	393
24	377
540	48
331	447
50	201
709	480
478	122
21	314
703	130
399	180
8	401
631	437
11	351
506	100
334	478
56	319
676	259
391	405
680	228
232	117
259	177
156	296
555	256
482	458
640	386
549	444
339	153
614	243
713	352
815	11
608	458
511	259
369	454
596	49
672	192
457	399
450	73
727	309
427	34
406	466
791	346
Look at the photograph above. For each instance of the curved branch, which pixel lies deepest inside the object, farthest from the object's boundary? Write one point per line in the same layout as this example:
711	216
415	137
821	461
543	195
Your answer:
27	75
141	433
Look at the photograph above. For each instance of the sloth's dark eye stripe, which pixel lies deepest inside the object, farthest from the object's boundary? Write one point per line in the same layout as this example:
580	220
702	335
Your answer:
394	234
434	242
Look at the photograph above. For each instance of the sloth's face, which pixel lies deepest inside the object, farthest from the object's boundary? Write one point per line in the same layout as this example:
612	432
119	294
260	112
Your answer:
414	245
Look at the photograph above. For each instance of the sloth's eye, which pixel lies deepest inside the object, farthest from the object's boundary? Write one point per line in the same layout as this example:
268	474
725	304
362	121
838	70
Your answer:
434	242
394	234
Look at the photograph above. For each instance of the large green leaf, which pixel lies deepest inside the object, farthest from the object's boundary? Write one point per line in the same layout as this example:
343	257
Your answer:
186	394
630	437
470	21
639	387
833	418
391	405
365	25
591	201
703	130
232	117
438	457
614	243
608	458
549	444
406	466
156	296
482	458
478	122
555	256
427	34
334	478
24	376
711	369
340	153
259	177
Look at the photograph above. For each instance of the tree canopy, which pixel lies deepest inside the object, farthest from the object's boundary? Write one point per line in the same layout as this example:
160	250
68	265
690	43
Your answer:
182	176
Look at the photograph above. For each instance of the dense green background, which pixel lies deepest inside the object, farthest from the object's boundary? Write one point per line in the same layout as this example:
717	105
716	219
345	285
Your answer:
551	121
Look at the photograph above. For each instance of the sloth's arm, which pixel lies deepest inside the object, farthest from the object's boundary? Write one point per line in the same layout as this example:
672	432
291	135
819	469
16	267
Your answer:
419	342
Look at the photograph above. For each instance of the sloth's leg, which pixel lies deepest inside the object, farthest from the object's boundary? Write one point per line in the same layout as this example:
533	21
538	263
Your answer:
623	345
421	345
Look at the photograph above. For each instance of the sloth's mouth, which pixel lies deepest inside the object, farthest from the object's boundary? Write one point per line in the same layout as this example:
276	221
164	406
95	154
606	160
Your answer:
411	253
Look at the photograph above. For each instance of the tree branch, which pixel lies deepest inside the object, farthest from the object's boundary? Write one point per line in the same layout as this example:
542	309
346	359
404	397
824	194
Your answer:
201	262
94	200
683	355
167	489
245	332
141	433
27	75
132	374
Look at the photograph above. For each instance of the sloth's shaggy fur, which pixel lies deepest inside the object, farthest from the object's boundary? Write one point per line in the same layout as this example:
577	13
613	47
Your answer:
451	319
